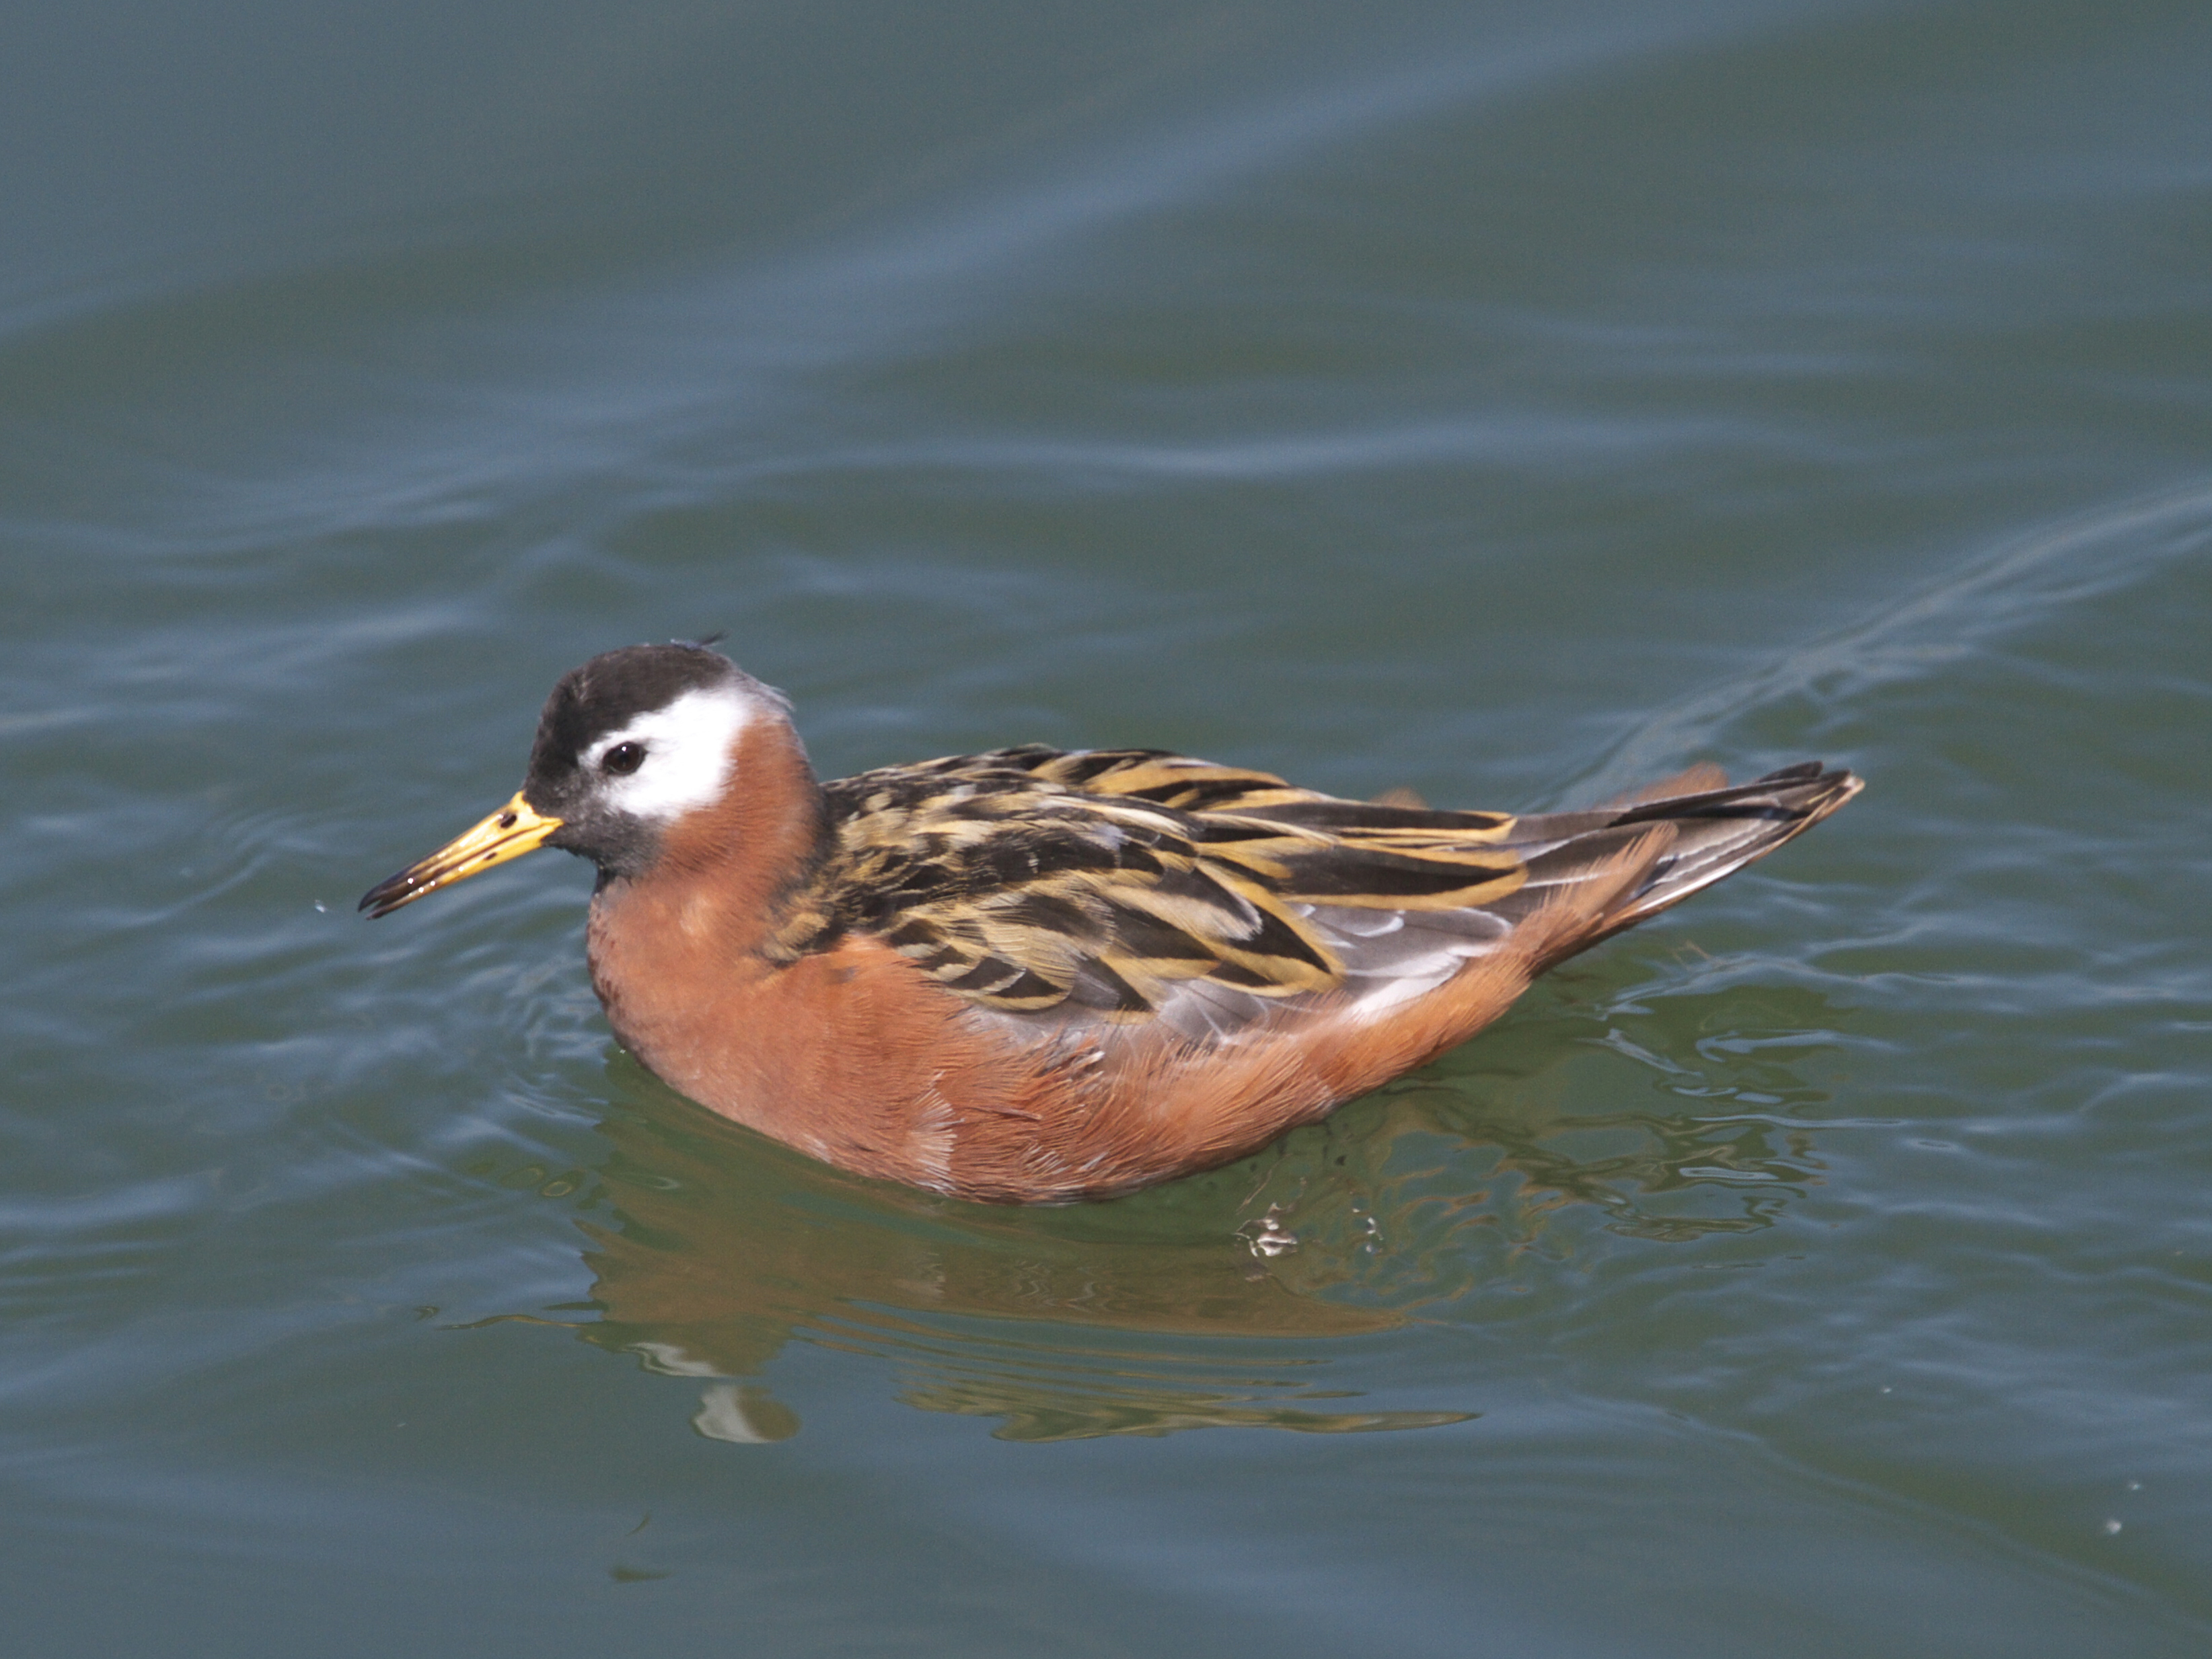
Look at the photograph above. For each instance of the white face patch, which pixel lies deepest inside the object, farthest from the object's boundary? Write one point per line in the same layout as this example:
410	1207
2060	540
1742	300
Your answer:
687	756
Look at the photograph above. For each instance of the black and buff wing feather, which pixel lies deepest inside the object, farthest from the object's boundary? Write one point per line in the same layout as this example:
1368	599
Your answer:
1134	884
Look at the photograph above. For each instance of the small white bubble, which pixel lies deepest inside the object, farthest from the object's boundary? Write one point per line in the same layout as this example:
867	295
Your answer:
2135	1485
322	908
2111	1526
1885	1387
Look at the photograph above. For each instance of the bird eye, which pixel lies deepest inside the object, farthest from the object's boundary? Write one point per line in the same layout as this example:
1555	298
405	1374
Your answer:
622	759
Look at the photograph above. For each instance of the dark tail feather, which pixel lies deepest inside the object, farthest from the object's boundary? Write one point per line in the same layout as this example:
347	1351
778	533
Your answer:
1717	831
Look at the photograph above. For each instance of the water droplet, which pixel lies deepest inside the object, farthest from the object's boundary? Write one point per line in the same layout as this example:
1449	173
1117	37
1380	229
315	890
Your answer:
2111	1526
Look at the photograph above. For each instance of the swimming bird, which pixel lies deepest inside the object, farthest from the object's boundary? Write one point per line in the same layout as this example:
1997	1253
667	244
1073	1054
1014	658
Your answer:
1035	975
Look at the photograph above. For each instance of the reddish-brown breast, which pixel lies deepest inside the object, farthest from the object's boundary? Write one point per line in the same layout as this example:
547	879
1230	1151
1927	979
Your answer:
840	1053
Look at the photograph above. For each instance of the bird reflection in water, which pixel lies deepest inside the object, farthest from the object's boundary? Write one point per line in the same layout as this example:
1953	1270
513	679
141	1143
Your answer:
715	1247
1226	1300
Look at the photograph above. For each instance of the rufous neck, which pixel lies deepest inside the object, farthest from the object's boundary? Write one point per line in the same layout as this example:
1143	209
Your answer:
730	866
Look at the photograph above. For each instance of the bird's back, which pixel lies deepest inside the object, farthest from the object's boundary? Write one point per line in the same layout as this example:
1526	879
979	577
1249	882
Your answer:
1135	887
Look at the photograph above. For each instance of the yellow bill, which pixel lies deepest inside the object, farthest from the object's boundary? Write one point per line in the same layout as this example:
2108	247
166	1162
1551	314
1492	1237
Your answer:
515	829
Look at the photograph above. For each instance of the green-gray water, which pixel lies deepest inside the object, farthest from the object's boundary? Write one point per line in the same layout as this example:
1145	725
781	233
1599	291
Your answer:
1512	402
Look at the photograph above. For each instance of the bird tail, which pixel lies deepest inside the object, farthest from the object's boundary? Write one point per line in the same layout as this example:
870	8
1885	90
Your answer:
1694	829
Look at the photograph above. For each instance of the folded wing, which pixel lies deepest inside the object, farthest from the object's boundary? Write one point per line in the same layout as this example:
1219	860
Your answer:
1135	886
